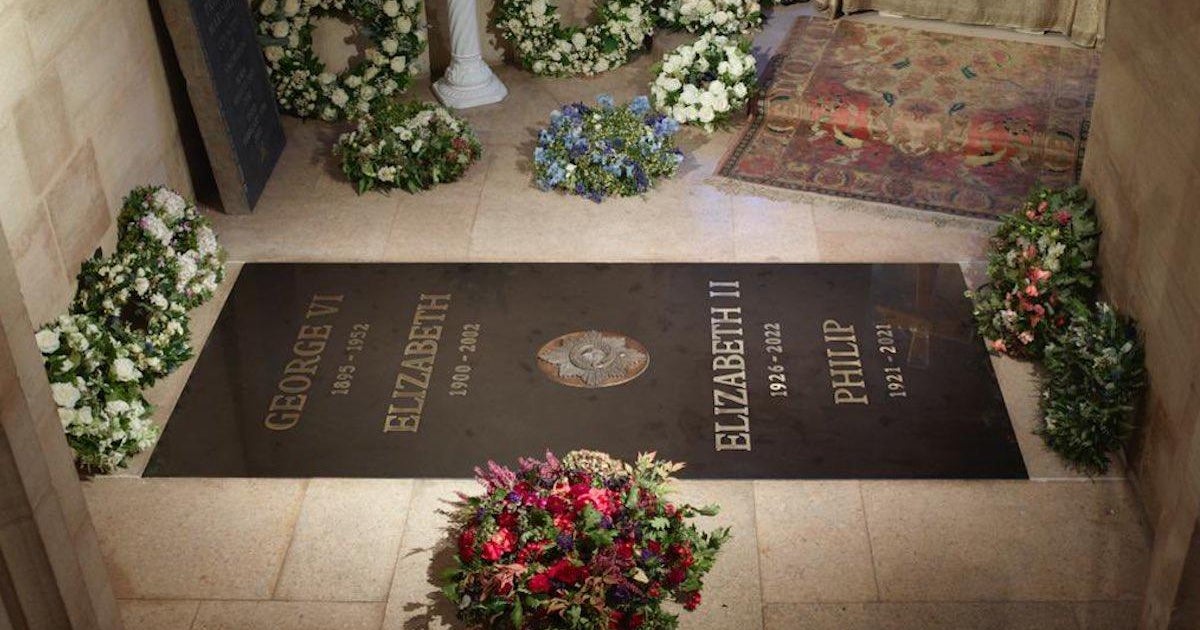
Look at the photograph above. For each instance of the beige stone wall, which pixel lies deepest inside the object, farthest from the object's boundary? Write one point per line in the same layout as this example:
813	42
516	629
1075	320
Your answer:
85	115
1143	165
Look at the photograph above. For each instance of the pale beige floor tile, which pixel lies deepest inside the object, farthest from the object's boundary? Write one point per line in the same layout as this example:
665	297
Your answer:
732	593
346	540
921	616
773	231
674	222
250	615
812	539
435	225
859	231
996	541
517	119
193	538
148	614
416	601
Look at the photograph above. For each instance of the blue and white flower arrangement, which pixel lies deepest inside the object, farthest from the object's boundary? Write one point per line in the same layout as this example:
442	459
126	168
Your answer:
598	152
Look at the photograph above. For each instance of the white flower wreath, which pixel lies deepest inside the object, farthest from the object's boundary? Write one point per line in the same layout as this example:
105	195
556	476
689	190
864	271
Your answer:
303	86
548	48
724	17
706	81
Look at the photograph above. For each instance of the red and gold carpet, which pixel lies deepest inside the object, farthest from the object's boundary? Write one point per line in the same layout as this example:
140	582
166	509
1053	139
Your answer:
926	120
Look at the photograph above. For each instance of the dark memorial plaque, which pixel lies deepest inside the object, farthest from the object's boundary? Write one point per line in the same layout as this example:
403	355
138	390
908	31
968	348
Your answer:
231	94
740	370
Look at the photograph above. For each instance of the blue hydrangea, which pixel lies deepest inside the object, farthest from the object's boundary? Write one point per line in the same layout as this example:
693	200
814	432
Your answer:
607	150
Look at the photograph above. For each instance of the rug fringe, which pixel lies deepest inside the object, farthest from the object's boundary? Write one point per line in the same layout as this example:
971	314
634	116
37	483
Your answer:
883	210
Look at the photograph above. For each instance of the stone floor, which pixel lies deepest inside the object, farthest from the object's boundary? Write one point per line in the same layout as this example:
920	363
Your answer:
1058	551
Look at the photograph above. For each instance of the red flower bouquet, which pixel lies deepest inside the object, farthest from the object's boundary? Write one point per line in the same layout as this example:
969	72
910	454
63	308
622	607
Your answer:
585	542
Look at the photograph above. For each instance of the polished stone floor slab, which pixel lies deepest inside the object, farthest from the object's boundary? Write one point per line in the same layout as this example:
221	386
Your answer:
741	370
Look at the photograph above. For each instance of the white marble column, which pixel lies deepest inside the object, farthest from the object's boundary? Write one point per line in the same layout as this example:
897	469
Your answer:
468	82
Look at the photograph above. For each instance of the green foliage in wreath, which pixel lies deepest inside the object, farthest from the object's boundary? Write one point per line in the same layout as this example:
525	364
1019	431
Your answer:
413	146
1094	377
305	88
1041	272
96	386
546	47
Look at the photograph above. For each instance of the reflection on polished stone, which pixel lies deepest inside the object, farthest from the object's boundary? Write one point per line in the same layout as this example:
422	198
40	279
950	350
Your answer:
741	370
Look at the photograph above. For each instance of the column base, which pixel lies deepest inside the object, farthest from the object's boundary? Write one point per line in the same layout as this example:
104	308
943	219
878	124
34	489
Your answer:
462	97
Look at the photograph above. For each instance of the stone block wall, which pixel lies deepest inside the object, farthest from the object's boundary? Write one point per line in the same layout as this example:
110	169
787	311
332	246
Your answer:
1143	166
86	113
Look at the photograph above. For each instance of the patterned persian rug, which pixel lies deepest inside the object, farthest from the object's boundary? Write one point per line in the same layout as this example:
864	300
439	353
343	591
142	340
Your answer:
955	124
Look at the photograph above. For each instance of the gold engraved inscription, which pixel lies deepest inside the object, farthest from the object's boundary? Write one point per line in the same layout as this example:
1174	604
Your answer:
416	365
291	392
731	400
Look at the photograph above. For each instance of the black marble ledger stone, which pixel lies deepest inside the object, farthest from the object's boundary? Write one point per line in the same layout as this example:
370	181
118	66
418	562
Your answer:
330	370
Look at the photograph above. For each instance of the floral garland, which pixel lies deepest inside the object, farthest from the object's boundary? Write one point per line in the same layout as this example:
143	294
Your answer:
95	383
609	150
706	81
723	17
548	48
302	84
582	543
413	146
128	325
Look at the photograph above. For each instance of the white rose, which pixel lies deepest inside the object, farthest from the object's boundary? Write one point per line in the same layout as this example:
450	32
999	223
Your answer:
720	17
47	341
291	7
66	416
707	114
399	64
391	8
267	7
125	370
390	45
274	53
403	24
326	78
578	40
740	90
280	29
65	394
537	7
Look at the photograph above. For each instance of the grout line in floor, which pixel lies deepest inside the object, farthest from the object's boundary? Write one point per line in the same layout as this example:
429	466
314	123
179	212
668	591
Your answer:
862	501
291	538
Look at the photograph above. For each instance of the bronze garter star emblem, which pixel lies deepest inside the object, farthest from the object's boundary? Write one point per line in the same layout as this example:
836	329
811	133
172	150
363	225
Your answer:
593	359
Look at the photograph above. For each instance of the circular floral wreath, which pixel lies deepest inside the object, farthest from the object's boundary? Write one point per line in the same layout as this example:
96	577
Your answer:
546	47
302	84
413	146
704	82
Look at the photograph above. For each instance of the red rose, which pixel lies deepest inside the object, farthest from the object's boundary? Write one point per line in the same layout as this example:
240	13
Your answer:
676	576
624	549
635	621
565	572
466	545
1063	217
614	620
654	546
564	522
692	601
539	583
507	519
557	505
655	591
491	552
